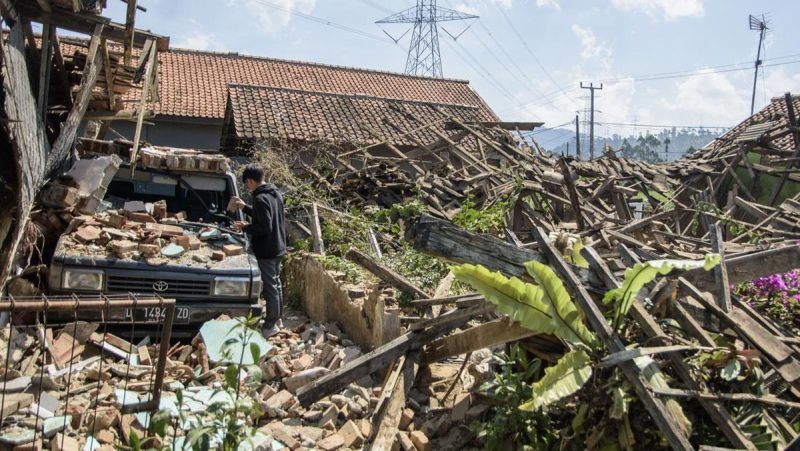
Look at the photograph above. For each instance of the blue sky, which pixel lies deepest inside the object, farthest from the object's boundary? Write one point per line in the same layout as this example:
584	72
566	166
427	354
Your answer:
574	40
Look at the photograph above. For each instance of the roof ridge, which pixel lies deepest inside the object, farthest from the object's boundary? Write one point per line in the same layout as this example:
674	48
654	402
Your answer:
339	94
312	63
286	60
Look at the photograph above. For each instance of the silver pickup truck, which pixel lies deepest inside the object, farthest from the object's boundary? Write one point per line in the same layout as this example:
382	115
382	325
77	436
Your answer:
162	230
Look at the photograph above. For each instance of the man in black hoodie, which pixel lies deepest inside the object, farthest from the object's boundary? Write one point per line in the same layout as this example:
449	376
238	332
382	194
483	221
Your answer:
268	240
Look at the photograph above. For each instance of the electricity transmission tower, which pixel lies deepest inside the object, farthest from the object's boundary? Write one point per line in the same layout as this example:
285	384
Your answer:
761	25
423	53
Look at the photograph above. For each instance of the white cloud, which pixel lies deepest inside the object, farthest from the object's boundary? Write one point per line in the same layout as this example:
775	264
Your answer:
198	40
591	47
776	83
467	8
708	99
475	6
669	9
549	4
273	19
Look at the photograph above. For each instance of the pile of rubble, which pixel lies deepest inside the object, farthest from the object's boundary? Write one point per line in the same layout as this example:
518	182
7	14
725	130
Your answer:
145	231
86	388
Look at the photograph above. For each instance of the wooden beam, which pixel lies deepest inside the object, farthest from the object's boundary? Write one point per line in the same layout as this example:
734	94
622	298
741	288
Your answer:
573	194
69	128
501	330
723	292
58	60
130	20
388	414
387	275
667	423
45	66
86	23
109	72
148	78
444	239
789	103
510	126
27	138
316	230
748	267
375	360
652	330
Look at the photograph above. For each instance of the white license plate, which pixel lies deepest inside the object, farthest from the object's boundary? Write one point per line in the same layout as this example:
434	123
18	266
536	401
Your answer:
156	314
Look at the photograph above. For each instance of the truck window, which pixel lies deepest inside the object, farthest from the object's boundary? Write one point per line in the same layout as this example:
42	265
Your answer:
149	187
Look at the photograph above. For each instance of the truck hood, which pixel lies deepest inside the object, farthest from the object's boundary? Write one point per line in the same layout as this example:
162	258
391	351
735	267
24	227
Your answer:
95	255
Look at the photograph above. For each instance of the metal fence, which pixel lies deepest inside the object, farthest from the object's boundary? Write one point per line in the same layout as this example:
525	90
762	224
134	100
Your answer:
37	317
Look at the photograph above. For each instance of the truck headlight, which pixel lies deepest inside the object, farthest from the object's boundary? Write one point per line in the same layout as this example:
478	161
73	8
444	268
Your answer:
231	286
83	279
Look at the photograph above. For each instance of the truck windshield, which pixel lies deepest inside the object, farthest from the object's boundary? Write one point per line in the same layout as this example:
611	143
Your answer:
201	196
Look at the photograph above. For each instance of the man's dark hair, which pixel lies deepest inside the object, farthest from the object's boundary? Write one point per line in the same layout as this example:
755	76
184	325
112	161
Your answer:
253	173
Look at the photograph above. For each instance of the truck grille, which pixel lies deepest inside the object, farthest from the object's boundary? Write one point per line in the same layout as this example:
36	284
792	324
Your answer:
174	287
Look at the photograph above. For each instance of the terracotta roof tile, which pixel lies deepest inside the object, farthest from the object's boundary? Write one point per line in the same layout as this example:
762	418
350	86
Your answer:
258	112
193	83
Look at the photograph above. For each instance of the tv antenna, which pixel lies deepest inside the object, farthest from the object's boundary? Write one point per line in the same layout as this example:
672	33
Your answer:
761	25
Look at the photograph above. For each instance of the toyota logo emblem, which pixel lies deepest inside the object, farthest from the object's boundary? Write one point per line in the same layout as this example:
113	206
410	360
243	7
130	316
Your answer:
160	285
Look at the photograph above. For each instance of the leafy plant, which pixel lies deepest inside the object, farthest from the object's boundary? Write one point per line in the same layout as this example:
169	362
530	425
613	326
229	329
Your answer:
507	426
563	379
641	274
546	308
489	219
352	271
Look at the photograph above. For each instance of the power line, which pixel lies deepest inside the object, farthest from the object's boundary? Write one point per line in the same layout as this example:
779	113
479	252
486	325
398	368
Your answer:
531	83
667	75
690	73
322	21
528	48
480	70
637	125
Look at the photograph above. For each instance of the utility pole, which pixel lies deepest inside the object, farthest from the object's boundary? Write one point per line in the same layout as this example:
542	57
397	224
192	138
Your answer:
759	25
666	148
423	53
577	137
592	88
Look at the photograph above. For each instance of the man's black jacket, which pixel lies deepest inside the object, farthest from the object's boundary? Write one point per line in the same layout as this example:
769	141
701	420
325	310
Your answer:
267	226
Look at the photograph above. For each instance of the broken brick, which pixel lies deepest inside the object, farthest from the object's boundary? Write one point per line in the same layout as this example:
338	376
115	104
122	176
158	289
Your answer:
232	249
122	247
139	217
87	234
182	241
149	250
420	440
218	256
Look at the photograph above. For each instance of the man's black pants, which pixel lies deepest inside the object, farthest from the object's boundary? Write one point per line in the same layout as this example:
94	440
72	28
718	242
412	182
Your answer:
272	290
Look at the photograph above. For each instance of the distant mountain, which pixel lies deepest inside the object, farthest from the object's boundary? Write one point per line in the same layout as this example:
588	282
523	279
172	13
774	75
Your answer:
666	145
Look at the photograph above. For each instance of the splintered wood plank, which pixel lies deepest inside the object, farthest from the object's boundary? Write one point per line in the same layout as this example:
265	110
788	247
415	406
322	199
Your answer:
443	239
501	330
69	128
651	329
748	267
667	423
387	275
316	230
148	79
376	359
395	393
748	328
720	271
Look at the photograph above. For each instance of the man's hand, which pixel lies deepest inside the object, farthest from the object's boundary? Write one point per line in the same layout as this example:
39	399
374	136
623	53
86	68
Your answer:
237	226
235	204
